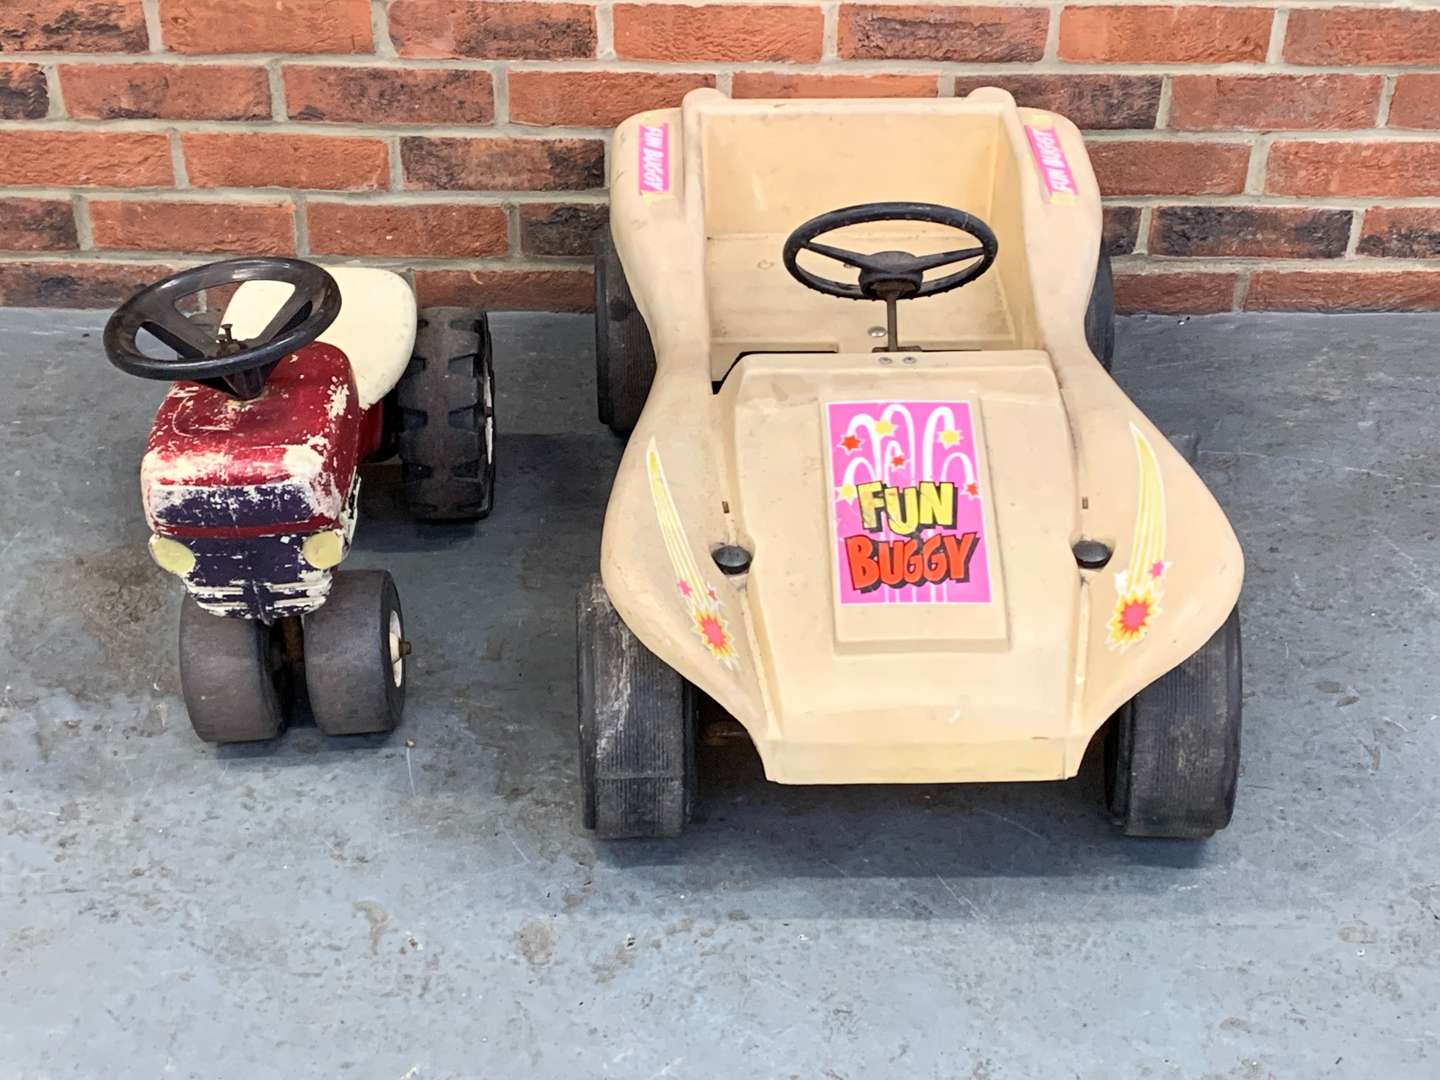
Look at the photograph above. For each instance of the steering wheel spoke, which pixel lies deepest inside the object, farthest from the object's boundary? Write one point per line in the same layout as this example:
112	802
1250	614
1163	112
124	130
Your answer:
292	312
945	258
179	332
841	255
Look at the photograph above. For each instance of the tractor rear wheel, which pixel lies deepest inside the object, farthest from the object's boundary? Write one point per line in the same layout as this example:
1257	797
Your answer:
637	728
446	404
624	353
1172	754
355	651
230	674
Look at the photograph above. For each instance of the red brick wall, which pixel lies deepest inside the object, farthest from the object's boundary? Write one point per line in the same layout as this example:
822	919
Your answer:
1261	154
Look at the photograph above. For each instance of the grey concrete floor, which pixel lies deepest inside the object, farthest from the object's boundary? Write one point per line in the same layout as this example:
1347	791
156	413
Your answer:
318	908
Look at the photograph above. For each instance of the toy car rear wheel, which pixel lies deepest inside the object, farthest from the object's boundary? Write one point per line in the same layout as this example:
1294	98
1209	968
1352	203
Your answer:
446	406
230	672
1100	314
1172	754
355	652
637	728
624	353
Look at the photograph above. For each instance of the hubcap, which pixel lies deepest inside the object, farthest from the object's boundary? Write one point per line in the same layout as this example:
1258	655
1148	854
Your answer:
397	650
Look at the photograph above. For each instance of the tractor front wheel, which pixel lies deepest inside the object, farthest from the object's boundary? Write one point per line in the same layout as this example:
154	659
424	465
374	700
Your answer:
355	655
230	673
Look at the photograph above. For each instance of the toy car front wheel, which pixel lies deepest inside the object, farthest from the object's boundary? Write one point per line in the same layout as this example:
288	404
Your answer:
446	404
355	652
624	353
229	673
1172	755
637	728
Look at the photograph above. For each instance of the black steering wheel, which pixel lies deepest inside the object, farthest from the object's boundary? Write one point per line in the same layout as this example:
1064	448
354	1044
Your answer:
211	356
891	275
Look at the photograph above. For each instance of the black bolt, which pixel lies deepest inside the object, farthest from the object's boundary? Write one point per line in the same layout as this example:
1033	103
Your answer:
732	559
1092	554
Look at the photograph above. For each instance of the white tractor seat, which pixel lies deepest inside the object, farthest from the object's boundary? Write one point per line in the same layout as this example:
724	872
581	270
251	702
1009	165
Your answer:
375	328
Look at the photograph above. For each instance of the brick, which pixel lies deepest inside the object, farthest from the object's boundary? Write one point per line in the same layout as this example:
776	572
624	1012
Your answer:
1271	102
297	161
1190	293
1356	35
507	290
1416	102
1121	229
1091	102
1354	168
1154	167
492	31
942	32
83	159
37	225
373	95
74	284
23	94
73	26
503	164
1242	232
561	228
1344	290
774	84
720	32
209	227
266	26
437	230
166	91
594	98
1187	34
1401	232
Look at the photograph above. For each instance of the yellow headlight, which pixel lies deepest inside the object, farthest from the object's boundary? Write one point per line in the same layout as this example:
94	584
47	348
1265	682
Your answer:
171	555
324	550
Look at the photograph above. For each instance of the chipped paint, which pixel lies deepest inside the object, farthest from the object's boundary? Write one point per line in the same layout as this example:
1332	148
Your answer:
243	484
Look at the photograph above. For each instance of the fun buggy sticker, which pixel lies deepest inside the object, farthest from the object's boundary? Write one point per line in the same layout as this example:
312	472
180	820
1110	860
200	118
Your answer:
1054	166
1139	587
909	511
654	159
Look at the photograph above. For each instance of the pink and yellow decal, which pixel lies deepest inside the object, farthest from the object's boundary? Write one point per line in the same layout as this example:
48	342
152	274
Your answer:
654	159
700	600
1139	586
909	506
1054	166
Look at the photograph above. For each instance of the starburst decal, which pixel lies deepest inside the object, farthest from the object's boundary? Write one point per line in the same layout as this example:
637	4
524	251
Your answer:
949	437
897	460
1133	613
884	427
972	489
850	443
846	492
715	634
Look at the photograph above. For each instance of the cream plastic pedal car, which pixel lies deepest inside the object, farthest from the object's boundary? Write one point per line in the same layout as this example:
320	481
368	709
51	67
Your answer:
882	500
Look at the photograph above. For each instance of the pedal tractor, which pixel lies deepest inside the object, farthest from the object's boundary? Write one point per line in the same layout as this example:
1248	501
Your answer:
882	500
250	479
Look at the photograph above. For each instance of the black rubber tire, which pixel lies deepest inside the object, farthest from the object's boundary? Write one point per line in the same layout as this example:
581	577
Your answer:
446	406
637	721
624	353
229	672
1172	754
349	659
1100	314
